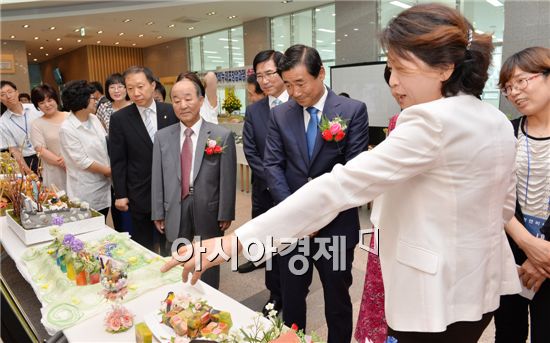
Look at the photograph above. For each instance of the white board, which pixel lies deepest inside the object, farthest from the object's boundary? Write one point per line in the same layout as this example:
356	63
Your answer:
365	82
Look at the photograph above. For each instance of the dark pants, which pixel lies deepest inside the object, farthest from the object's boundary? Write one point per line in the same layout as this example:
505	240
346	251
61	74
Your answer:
143	229
105	212
459	332
336	284
187	230
261	203
32	162
512	317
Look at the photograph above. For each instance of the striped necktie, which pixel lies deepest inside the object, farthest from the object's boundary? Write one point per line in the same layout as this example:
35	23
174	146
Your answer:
186	160
149	123
275	103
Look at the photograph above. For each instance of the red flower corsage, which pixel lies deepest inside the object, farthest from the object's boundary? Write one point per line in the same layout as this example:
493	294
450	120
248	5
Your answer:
333	130
213	147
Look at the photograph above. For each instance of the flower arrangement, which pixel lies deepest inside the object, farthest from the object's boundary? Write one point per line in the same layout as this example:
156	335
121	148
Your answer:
119	319
231	103
333	130
213	146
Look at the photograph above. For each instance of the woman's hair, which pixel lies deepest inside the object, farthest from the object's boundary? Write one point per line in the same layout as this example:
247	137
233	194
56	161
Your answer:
41	92
251	80
76	95
114	79
441	36
532	60
195	80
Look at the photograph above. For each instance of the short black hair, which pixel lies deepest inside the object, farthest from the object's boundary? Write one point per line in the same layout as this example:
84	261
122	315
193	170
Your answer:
267	55
24	95
97	86
43	91
251	80
76	95
159	87
136	70
387	74
193	77
7	83
114	79
344	94
301	54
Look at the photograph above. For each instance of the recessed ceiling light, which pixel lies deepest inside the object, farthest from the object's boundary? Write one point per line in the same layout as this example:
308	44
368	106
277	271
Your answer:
35	59
317	10
52	27
121	34
46	54
76	30
35	38
171	25
133	44
127	20
140	35
355	29
117	43
12	36
60	48
159	37
79	40
211	13
400	4
98	42
41	48
26	26
345	35
29	54
232	17
191	28
150	23
58	39
99	32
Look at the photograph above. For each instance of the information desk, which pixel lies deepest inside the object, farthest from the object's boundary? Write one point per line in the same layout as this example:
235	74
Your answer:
92	329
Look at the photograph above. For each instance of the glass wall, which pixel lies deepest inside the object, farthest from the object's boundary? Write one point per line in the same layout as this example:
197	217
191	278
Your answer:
485	16
217	50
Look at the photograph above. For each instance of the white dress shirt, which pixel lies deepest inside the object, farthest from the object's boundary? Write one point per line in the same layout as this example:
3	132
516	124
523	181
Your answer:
15	129
194	137
83	143
283	97
152	113
208	112
319	106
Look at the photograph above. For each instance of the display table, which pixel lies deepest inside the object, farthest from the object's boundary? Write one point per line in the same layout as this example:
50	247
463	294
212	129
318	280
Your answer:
92	329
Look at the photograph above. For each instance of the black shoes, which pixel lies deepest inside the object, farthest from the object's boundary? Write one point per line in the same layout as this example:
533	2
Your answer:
272	304
248	267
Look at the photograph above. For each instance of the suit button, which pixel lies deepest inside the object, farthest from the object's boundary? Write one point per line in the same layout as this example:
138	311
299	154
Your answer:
309	179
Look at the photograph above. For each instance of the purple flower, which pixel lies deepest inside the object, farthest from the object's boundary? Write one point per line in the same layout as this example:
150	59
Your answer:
77	245
68	240
57	220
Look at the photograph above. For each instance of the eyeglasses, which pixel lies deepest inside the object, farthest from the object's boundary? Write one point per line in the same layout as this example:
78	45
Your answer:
7	93
268	75
520	84
116	87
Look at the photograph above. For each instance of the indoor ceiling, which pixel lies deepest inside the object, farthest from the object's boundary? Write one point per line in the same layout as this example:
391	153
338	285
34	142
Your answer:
52	28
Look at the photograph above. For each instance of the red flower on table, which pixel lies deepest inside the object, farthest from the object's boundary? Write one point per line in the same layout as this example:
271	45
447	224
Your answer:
213	147
294	327
333	130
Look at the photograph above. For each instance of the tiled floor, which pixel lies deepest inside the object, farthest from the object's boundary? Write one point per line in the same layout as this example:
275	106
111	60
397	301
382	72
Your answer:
250	290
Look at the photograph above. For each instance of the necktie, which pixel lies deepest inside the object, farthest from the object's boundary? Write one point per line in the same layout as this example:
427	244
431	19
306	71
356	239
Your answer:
149	123
186	158
311	132
276	102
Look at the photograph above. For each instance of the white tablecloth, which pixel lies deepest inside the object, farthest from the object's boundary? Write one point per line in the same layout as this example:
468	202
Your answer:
92	330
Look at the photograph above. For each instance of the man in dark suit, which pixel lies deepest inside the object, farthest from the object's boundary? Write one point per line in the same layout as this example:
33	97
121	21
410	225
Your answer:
295	153
131	134
194	173
254	134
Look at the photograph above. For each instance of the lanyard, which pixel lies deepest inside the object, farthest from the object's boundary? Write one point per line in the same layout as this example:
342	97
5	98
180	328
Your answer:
19	126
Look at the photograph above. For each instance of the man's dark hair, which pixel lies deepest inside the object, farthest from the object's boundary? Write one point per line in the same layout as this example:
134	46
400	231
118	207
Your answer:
24	95
98	87
43	91
160	88
114	79
7	83
301	54
251	79
136	70
267	55
344	94
195	80
76	95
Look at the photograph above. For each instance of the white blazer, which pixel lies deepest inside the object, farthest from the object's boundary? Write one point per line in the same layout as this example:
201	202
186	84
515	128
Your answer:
447	174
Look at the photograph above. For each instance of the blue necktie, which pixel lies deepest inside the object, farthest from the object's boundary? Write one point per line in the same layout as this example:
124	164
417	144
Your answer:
311	132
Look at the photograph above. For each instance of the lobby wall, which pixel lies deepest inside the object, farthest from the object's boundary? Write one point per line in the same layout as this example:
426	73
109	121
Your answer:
18	50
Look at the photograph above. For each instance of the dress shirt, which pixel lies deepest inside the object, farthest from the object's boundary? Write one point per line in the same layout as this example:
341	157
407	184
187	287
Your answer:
283	97
152	113
15	127
319	105
194	137
208	112
81	145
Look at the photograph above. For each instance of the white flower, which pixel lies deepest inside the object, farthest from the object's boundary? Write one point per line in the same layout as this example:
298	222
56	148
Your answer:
54	230
272	314
211	143
269	306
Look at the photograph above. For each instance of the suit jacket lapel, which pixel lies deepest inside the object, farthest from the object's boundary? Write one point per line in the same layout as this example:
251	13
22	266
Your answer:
175	148
162	117
139	126
330	111
297	124
199	149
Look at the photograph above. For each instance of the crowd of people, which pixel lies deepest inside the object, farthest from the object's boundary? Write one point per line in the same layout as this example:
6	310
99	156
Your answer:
461	194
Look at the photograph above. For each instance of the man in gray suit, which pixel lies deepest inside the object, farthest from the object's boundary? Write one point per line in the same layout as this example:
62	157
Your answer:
194	173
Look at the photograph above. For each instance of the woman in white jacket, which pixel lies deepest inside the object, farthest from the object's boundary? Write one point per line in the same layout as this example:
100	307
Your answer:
447	178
